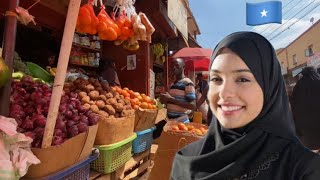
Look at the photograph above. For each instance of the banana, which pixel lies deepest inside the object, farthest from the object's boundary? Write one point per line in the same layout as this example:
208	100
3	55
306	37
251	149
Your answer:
52	71
17	75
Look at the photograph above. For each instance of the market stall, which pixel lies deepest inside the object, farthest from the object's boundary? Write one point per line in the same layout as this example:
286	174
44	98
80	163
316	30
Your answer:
68	109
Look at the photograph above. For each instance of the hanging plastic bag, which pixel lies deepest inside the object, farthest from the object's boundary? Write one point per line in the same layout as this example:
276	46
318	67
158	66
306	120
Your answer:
87	21
107	28
125	26
138	28
149	28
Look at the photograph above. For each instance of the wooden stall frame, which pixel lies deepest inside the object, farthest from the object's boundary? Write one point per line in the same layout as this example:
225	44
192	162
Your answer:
9	39
65	49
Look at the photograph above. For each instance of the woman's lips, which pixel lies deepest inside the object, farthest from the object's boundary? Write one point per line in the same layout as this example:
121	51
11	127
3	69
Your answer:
230	109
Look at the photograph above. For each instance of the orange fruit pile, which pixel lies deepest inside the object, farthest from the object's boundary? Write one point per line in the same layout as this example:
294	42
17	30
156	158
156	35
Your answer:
182	127
137	100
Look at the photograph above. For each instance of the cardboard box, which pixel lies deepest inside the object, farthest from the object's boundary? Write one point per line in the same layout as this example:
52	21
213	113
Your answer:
144	119
162	114
56	158
170	143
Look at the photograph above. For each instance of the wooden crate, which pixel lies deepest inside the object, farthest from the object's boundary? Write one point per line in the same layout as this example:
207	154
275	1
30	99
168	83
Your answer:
135	169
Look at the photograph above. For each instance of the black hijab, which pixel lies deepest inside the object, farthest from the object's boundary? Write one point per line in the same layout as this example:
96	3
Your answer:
247	152
310	73
305	107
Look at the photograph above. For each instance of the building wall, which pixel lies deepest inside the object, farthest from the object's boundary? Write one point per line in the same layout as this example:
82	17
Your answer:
298	47
282	57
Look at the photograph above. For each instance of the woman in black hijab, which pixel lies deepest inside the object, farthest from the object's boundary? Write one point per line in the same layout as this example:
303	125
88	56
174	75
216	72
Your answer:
253	136
305	108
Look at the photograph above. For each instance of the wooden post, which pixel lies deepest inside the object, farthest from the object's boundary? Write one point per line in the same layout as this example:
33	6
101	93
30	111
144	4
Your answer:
63	60
9	41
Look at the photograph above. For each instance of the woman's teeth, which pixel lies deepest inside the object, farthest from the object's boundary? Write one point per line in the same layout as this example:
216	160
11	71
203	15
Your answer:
230	108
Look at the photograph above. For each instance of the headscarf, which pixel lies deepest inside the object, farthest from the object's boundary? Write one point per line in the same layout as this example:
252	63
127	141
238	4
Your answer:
310	73
230	153
305	107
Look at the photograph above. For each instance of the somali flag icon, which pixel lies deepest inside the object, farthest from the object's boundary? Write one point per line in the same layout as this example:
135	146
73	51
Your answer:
264	13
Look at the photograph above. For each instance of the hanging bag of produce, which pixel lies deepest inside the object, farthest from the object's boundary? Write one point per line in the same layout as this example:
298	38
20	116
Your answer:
149	28
107	28
125	26
87	21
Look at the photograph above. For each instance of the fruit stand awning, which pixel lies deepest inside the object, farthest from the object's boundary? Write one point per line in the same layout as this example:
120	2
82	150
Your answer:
196	59
193	53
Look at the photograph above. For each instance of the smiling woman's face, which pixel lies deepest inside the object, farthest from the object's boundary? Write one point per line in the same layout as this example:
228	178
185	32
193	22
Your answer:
235	96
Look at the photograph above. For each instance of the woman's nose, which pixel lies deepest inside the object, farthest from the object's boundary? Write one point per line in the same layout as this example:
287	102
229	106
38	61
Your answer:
227	90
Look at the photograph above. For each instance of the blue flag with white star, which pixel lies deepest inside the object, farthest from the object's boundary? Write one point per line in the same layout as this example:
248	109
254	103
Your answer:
264	13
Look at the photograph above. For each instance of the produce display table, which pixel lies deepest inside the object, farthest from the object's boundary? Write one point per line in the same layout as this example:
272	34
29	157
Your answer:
135	168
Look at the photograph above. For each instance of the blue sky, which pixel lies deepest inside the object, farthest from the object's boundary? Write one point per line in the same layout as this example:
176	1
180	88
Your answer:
218	18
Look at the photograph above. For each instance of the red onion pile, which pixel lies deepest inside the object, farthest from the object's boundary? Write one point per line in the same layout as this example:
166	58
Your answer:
29	104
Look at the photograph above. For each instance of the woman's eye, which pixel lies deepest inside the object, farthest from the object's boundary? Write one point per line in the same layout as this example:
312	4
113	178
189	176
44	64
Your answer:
215	79
243	80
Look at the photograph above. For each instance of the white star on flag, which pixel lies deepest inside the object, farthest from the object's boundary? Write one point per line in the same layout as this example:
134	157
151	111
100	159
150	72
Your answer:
264	13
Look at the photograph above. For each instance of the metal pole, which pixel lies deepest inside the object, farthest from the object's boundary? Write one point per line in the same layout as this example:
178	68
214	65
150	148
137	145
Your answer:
9	41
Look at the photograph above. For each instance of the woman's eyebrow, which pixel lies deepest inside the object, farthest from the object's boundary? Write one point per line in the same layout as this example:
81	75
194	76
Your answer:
234	71
241	70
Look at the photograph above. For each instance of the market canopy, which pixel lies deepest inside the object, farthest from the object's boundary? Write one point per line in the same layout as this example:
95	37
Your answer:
196	59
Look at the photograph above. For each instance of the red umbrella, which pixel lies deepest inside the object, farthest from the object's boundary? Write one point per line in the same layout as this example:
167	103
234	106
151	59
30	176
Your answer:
191	53
196	59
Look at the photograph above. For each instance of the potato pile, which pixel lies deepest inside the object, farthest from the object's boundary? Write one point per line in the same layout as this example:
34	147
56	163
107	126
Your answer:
100	98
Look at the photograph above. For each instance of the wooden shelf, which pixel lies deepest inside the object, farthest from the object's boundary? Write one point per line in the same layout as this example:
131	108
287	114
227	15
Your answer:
84	65
86	48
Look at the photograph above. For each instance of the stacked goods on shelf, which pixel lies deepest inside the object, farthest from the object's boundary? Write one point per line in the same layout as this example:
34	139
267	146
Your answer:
74	131
86	50
175	136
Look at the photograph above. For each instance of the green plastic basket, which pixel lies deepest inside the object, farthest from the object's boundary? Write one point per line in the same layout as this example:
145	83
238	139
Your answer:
38	72
113	156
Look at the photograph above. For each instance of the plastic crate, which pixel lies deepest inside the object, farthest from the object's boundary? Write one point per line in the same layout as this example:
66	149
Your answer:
143	141
79	171
113	156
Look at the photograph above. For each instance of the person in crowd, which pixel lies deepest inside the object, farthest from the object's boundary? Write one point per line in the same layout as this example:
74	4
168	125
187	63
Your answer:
201	104
52	61
253	134
108	71
201	100
202	83
305	107
180	99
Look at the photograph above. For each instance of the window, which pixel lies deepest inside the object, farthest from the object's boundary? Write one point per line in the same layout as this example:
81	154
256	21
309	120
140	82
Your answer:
309	51
294	59
283	68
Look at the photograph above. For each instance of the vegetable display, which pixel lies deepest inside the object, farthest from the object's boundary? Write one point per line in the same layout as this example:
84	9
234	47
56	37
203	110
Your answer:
29	105
98	97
